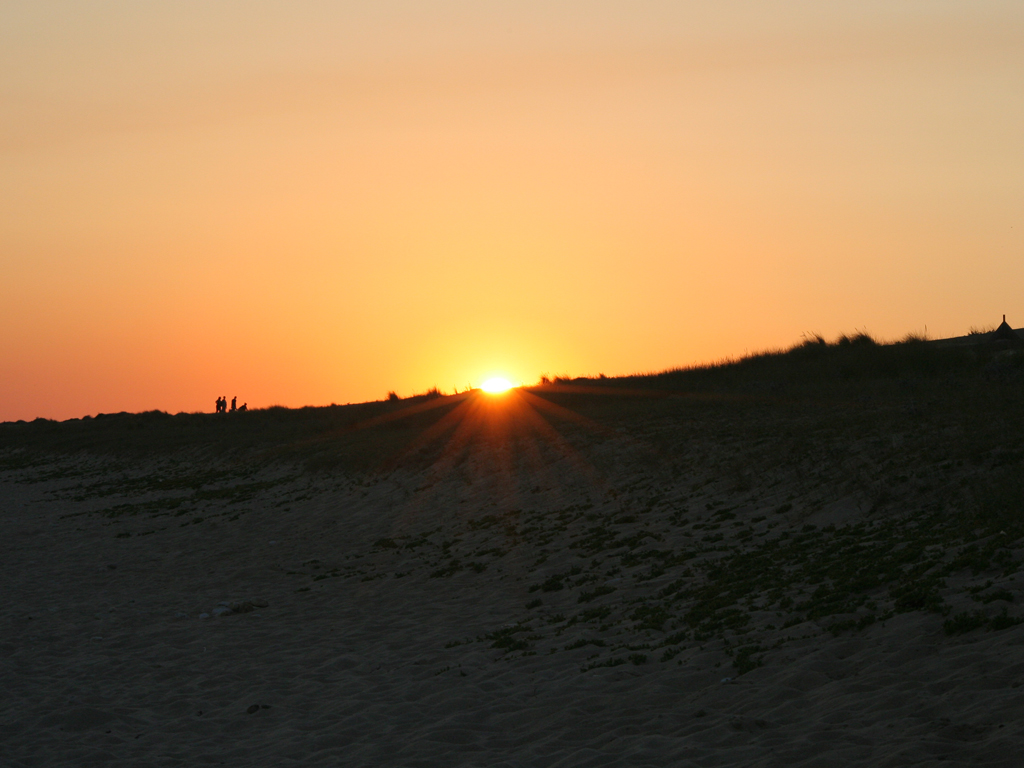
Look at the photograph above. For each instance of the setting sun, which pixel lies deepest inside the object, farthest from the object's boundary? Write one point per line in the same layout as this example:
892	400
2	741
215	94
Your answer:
496	385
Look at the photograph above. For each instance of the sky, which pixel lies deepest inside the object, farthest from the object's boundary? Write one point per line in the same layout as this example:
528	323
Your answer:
305	203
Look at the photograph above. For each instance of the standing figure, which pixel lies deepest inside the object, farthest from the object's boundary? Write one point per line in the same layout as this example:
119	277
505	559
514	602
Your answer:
233	401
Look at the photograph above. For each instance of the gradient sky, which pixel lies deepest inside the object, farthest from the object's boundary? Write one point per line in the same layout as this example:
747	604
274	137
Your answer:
314	202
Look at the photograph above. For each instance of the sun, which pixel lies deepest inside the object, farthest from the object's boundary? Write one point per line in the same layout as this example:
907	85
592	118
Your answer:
496	385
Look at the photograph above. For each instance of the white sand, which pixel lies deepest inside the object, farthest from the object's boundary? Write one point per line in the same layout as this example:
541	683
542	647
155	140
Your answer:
113	666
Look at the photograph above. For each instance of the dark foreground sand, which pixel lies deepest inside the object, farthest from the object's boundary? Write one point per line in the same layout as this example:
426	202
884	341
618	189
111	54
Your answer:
388	624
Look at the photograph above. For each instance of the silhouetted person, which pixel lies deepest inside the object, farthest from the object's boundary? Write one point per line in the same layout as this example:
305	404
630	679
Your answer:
243	407
233	401
218	406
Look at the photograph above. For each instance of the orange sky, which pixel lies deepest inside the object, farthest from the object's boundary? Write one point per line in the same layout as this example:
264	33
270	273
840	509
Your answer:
305	203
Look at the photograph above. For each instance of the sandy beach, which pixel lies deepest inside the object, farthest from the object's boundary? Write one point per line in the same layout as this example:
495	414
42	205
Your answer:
578	600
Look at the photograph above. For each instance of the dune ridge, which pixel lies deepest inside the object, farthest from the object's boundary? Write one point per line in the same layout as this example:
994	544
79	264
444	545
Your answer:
787	572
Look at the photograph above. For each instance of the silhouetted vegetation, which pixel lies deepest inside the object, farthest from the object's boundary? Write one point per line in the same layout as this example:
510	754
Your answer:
854	370
816	364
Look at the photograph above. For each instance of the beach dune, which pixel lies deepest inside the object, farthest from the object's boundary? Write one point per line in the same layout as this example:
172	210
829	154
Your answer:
671	580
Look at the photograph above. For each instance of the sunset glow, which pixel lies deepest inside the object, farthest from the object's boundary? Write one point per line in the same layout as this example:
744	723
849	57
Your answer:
313	203
496	385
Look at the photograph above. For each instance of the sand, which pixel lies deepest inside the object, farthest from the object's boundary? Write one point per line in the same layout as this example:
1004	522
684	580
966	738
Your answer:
382	620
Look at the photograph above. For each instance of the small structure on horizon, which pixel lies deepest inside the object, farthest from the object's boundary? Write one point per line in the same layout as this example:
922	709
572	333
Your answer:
1004	332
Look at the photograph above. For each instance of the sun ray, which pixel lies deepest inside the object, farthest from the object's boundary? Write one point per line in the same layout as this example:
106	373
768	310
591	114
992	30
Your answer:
450	421
504	447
